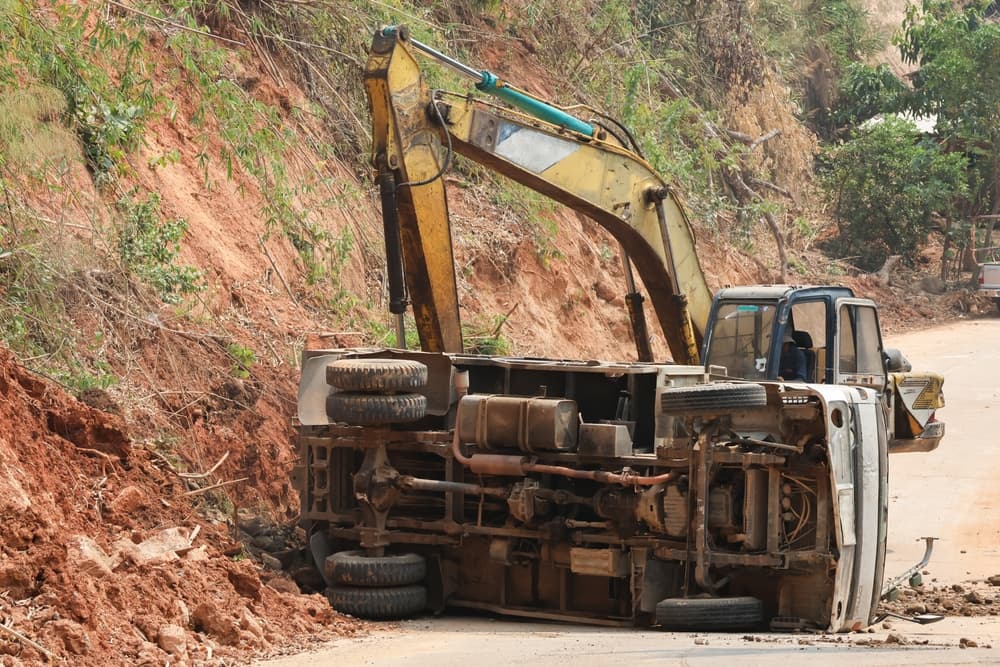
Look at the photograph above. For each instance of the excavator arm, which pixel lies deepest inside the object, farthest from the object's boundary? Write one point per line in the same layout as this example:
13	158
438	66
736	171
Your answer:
581	165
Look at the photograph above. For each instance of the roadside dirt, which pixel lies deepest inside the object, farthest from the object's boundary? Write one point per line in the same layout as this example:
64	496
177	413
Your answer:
105	558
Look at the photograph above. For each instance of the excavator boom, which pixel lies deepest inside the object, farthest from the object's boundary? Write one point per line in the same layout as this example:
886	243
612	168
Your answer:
415	130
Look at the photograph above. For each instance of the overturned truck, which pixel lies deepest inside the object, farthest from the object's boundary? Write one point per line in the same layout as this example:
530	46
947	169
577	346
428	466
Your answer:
714	493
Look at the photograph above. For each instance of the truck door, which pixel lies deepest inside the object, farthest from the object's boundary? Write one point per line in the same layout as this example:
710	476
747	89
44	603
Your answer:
858	346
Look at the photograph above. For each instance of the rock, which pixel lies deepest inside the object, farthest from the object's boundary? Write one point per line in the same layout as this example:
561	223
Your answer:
210	619
128	501
246	584
947	604
73	636
89	558
918	608
967	643
269	561
183	613
199	553
894	638
887	625
172	639
161	547
957	588
604	292
252	624
994	580
973	597
701	641
284	585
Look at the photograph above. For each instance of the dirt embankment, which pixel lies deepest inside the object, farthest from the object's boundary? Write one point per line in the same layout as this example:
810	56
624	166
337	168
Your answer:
104	558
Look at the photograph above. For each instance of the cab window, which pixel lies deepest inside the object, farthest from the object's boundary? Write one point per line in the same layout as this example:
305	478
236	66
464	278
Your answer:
860	345
741	339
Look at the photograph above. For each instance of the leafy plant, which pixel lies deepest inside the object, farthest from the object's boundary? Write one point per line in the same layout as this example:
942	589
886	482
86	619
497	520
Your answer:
243	359
958	52
886	183
149	247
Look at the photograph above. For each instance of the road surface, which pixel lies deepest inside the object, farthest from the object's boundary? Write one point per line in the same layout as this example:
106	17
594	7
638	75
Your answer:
952	493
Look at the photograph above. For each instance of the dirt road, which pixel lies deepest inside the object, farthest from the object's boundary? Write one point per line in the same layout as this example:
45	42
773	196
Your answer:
952	494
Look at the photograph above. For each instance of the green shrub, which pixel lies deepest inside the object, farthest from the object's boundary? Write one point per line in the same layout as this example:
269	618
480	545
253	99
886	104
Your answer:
885	183
149	246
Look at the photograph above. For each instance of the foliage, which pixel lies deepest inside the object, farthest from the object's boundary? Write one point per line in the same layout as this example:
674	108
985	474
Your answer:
483	336
958	51
97	66
866	91
886	184
243	359
149	246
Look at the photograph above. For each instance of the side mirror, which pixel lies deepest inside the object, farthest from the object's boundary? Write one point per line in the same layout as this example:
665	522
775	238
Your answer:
895	362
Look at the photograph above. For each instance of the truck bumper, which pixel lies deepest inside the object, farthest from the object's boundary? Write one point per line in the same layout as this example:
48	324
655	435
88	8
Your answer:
927	441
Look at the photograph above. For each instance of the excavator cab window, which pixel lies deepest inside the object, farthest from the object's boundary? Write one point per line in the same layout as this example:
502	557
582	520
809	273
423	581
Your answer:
741	339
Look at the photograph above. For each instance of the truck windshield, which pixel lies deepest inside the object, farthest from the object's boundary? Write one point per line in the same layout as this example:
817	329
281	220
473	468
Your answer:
741	339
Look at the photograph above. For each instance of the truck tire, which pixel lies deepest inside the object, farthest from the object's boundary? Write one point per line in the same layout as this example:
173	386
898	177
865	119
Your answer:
376	374
360	409
708	614
378	604
720	397
353	568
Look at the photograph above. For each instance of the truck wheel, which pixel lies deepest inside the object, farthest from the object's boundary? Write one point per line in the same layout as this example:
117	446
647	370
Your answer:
376	374
725	614
353	568
371	409
378	604
714	398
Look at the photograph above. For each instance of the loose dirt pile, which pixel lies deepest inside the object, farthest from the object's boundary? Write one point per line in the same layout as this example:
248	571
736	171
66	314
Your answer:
103	559
972	598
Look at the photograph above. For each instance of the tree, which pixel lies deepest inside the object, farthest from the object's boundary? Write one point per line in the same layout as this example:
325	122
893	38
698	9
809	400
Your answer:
958	81
886	183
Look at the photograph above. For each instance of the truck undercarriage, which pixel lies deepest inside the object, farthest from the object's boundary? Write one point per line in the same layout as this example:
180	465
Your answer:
603	493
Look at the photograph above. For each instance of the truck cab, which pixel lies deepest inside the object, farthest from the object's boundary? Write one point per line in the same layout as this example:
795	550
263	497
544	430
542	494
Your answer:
839	336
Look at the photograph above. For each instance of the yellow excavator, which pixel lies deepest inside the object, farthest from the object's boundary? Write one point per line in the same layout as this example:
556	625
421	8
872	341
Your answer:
729	490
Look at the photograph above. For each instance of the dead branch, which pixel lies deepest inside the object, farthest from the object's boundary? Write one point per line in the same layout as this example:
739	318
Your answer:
277	271
202	475
771	186
765	137
216	486
503	320
28	642
746	193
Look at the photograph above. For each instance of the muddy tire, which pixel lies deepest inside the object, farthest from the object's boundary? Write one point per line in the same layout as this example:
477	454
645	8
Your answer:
353	568
717	398
710	614
378	604
378	375
371	409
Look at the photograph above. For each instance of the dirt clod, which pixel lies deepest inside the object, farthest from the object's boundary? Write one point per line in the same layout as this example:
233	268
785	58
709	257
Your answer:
172	639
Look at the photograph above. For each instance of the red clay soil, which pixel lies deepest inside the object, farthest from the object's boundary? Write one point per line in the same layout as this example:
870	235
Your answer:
103	559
